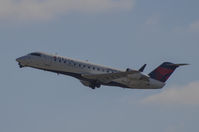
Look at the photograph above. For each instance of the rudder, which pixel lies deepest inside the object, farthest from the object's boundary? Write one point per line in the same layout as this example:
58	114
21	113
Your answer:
164	71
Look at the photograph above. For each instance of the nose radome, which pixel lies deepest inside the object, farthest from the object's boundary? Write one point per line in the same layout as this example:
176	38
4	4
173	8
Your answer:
19	59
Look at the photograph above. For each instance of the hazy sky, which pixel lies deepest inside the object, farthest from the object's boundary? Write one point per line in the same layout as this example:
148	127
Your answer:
117	33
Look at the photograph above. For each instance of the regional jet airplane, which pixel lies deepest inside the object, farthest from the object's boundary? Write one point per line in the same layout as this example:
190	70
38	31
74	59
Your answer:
94	76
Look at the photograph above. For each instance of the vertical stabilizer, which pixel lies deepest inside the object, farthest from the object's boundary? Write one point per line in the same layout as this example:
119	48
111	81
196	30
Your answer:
164	71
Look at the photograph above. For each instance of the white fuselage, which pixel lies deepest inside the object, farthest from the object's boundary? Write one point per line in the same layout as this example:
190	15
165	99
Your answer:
77	68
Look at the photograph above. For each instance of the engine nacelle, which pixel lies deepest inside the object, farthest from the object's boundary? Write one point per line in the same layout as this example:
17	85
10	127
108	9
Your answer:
135	76
128	69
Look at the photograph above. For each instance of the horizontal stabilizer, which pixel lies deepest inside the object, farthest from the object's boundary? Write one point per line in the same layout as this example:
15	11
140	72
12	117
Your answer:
178	64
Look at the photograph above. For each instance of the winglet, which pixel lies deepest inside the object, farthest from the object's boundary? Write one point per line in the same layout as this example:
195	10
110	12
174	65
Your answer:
142	68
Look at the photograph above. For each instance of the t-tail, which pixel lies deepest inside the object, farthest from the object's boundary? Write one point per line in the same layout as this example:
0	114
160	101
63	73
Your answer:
164	71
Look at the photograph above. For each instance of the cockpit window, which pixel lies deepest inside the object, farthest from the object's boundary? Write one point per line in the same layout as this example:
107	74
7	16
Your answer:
35	54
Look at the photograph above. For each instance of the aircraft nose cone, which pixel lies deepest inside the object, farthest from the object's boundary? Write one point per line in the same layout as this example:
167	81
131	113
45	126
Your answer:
19	59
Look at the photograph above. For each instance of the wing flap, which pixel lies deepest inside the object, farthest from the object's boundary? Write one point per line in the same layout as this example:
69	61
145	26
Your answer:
108	77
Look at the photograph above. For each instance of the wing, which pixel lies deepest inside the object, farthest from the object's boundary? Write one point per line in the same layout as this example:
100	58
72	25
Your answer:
106	78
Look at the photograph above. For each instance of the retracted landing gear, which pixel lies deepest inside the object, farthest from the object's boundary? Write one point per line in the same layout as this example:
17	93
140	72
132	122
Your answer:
91	84
95	85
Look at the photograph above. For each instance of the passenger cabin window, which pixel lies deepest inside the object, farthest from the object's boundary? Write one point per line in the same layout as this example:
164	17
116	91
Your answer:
108	71
36	54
